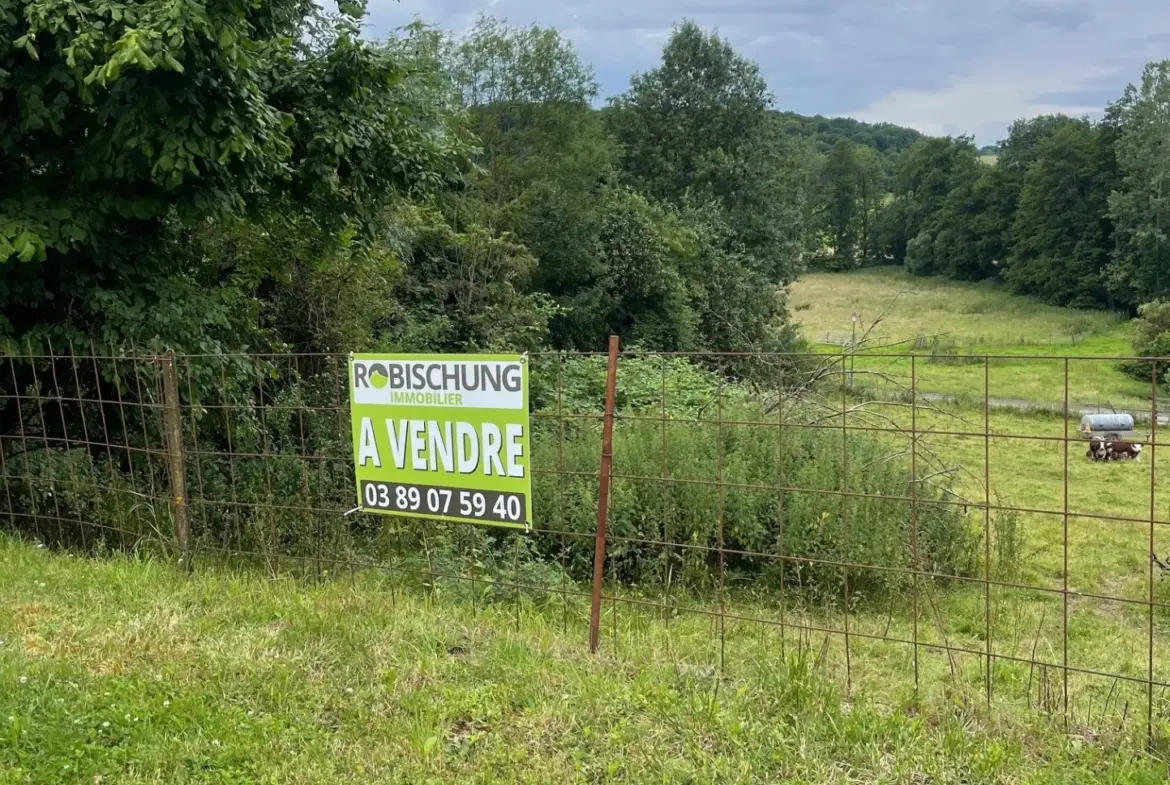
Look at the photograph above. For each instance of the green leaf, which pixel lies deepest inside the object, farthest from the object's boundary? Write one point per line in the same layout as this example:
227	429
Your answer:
142	209
143	60
25	251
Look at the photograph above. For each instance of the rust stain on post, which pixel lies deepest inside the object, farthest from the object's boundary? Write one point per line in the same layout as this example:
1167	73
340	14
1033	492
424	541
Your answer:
603	495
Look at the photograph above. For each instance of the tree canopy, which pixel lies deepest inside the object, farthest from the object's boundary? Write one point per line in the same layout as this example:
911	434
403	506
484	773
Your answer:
123	124
200	176
699	129
1140	207
1071	212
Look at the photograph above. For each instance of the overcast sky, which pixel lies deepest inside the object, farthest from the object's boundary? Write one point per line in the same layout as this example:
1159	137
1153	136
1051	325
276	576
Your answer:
942	66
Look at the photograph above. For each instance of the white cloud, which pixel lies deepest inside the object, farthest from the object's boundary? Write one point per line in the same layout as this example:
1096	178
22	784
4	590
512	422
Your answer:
944	66
991	95
1070	64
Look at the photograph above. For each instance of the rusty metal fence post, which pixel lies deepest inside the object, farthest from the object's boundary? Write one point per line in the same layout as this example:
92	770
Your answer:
176	467
603	495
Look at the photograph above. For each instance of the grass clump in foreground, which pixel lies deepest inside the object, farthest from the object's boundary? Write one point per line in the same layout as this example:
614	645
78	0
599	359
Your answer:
125	671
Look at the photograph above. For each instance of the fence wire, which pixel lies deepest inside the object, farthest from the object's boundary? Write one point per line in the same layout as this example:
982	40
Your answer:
885	515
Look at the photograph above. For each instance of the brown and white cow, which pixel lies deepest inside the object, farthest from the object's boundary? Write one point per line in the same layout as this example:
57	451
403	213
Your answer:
1102	450
1124	451
1096	449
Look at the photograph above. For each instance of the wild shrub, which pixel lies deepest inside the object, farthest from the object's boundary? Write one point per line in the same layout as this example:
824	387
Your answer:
946	351
1151	338
700	477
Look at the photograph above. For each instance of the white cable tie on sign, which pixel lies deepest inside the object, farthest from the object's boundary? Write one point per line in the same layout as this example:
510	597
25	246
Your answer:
348	513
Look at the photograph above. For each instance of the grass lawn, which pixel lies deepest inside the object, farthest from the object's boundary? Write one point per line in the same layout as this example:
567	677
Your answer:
971	320
978	314
124	671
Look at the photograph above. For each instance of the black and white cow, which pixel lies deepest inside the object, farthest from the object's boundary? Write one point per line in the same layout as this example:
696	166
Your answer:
1102	450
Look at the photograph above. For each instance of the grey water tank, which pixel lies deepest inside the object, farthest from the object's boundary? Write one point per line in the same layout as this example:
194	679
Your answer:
1106	424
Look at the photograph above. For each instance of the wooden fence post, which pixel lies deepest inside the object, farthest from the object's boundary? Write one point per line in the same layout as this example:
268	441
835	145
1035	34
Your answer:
603	495
176	466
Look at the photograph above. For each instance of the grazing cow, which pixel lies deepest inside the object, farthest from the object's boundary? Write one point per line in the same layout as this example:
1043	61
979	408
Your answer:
1123	451
1101	450
1097	449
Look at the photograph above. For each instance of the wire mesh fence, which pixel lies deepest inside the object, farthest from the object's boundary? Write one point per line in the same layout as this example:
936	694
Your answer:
907	522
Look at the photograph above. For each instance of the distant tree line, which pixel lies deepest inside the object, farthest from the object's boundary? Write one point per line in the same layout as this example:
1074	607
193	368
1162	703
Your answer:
825	132
1072	211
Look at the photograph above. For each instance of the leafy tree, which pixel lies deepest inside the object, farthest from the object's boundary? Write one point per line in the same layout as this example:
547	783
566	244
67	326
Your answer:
121	122
1022	147
545	166
1151	338
1060	248
699	128
927	174
495	63
1140	206
545	156
738	307
705	99
852	189
976	218
461	290
641	293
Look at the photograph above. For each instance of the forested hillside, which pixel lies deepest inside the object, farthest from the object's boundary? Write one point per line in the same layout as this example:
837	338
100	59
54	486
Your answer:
1071	213
825	132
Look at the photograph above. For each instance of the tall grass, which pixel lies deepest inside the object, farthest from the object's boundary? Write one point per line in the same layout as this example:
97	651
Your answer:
708	486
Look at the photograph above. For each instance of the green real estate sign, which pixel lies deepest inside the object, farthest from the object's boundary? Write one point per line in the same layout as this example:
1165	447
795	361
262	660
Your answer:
444	437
